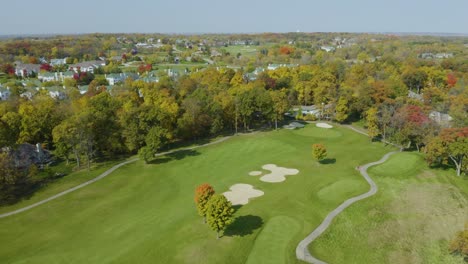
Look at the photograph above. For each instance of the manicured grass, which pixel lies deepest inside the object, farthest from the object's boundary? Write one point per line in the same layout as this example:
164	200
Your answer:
271	246
71	179
410	220
144	213
248	51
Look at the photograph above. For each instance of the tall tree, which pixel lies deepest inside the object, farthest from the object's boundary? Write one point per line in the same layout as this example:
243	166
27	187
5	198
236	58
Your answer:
341	110
280	105
372	122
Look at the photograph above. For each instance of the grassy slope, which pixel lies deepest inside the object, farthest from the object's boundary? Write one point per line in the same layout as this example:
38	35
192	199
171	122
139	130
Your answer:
62	184
145	213
411	219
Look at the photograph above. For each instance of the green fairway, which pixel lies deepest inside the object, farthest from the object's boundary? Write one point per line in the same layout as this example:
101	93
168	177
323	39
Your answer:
146	214
274	242
410	220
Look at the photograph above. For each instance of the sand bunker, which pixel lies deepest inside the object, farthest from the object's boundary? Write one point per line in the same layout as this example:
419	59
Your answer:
241	193
278	174
255	173
324	125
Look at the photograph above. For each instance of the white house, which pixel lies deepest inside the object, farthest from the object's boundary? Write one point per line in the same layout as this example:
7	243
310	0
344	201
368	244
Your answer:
25	70
327	48
56	92
55	62
47	76
440	118
5	93
55	76
87	66
115	78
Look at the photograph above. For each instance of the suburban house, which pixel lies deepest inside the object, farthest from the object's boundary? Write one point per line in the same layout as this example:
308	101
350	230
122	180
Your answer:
55	62
54	76
443	55
150	79
56	92
5	93
24	70
47	76
327	48
29	93
272	67
115	78
87	66
440	118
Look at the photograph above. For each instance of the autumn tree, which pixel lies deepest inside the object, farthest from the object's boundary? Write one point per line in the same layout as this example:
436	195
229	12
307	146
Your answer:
341	110
280	105
319	152
219	213
450	146
459	245
203	193
372	122
415	79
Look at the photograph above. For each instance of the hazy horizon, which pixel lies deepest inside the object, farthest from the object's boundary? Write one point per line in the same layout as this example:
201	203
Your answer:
212	17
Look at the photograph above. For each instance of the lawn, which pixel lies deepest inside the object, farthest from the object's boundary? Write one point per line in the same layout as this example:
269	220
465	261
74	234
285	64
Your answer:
144	213
410	220
248	51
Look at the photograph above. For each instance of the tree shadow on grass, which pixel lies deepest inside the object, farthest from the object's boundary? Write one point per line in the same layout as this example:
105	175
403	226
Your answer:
328	161
178	155
236	207
244	225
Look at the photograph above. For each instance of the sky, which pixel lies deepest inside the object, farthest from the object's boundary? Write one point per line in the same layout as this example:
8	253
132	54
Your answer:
235	16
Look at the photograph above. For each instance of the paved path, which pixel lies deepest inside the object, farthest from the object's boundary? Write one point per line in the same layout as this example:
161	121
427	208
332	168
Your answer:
302	251
103	175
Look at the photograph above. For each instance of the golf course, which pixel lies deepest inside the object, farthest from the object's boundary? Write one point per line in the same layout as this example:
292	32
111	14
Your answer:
145	213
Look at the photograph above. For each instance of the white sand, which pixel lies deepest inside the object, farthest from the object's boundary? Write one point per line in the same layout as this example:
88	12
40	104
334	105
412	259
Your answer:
278	174
255	173
324	125
241	193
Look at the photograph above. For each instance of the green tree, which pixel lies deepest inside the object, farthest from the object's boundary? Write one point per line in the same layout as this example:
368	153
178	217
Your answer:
219	213
203	193
372	122
341	110
155	139
319	152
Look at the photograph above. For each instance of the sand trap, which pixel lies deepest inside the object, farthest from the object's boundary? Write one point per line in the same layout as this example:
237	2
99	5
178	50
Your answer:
241	193
324	125
255	173
278	174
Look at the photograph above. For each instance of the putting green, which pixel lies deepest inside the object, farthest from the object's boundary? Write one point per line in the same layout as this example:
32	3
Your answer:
318	132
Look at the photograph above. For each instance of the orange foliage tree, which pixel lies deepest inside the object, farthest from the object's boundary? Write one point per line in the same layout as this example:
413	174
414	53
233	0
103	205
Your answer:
203	193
